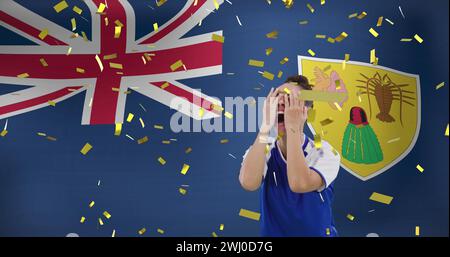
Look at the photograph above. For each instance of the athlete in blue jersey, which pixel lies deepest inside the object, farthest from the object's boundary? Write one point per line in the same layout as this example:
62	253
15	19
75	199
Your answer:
295	175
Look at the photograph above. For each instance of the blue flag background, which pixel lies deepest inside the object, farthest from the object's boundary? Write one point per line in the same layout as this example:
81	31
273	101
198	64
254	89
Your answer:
46	186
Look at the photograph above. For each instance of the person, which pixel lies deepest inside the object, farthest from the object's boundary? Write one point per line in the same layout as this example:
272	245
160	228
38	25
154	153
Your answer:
295	174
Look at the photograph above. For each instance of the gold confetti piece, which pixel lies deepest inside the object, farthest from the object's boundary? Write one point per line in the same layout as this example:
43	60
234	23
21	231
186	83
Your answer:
161	160
158	126
284	61
86	148
142	231
362	15
304	22
440	85
393	140
320	96
23	75
160	231
147	56
221	227
338	106
60	6
51	138
417	232
106	214
43	34
311	52
113	233
328	232
218	38
42	134
406	40
217	107
166	142
80	70
182	191
229	115
115	89
91	204
446	131
380	21
377	197
130	117
272	35
110	56
269	51
350	217
311	9
390	22
101	8
321	36
347	57
165	85
201	112
143	140
106	21
155	26
69	50
280	74
317	141
287	91
373	57
99	62
178	64
160	2
216	4
117	31
52	103
326	121
100	221
327	68
249	214
43	62
77	10
224	141
83	219
118	23
288	3
341	37
214	234
115	65
419	168
74	24
268	75
3	133
118	129
256	63
418	38
373	32
322	2
353	15
188	150
142	122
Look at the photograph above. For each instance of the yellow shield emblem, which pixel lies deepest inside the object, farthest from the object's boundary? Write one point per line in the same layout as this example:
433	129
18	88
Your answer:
376	125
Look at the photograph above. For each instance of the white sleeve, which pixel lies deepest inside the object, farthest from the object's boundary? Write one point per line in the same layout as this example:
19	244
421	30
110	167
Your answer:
326	163
268	154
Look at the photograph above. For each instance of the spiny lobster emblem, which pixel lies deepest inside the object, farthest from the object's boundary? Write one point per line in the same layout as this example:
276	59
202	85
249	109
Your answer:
385	92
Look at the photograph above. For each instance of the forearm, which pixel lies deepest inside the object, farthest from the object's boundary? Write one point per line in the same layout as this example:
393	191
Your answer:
297	169
252	170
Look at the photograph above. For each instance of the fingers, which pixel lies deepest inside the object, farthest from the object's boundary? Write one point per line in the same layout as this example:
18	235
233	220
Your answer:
287	104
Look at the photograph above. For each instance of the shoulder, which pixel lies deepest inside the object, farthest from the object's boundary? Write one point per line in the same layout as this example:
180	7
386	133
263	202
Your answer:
325	150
